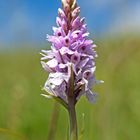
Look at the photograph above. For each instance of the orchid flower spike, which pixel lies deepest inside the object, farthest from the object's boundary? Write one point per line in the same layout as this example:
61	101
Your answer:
70	62
72	54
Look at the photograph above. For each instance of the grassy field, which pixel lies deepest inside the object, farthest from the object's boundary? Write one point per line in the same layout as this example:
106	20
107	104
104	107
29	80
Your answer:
25	115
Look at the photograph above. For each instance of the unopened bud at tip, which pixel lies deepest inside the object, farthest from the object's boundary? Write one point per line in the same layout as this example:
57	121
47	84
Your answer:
76	12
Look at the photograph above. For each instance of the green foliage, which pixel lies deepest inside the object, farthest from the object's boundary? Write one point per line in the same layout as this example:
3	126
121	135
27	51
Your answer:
115	116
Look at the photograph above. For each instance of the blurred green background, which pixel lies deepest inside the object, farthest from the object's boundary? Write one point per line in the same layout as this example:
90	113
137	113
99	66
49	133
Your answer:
115	116
26	115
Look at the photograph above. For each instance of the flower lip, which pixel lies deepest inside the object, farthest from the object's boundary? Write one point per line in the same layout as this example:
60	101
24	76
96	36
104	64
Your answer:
58	31
89	73
66	50
52	63
67	40
83	48
62	68
75	58
59	34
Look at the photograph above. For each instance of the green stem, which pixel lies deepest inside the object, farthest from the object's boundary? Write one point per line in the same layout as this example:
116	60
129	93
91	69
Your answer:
73	121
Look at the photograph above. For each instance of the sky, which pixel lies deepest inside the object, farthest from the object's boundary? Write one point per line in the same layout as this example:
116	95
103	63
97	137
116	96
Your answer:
31	20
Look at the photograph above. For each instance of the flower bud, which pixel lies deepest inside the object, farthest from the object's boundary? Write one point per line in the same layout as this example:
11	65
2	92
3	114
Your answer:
76	12
64	2
61	13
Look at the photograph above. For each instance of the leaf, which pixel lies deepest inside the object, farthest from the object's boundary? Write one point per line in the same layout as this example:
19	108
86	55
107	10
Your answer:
58	99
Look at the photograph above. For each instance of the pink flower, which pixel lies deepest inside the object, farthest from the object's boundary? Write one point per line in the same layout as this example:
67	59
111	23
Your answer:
72	52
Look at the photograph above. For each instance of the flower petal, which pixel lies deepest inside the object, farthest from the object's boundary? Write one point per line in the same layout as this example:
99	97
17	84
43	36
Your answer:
91	96
52	63
46	67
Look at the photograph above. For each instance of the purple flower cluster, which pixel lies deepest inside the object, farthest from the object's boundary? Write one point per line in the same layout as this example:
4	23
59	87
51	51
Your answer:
71	52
